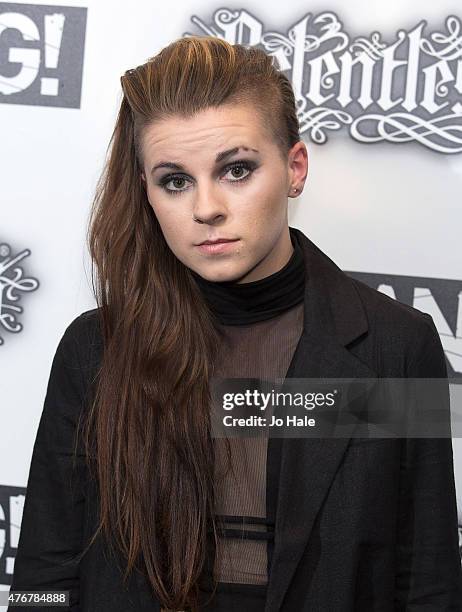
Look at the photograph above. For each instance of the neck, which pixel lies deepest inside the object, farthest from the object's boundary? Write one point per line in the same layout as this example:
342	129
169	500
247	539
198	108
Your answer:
238	303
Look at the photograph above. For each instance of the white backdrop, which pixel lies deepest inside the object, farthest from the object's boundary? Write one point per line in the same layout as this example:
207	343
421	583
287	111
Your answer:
388	209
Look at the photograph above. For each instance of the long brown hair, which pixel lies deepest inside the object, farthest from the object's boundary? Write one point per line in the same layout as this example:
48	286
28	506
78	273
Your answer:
148	426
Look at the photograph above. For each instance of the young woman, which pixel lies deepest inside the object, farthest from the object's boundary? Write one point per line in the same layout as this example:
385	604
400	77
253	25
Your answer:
199	276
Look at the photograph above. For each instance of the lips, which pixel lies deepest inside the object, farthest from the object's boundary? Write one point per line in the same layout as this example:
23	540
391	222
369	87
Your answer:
217	247
219	240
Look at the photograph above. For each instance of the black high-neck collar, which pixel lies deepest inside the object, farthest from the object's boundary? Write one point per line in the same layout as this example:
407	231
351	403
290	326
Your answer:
243	303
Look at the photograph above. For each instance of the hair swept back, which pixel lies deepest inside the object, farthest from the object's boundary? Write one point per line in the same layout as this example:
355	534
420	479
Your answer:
148	427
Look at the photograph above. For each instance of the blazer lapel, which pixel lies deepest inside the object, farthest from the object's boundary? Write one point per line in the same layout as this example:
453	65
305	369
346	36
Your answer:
333	317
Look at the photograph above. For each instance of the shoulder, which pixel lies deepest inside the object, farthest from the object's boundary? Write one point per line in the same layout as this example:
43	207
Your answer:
383	310
81	341
353	302
399	336
84	327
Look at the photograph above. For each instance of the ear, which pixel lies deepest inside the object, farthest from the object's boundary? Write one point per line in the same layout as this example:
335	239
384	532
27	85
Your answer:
143	178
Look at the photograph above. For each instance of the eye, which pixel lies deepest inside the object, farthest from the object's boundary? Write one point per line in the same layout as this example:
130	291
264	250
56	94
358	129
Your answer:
240	165
174	180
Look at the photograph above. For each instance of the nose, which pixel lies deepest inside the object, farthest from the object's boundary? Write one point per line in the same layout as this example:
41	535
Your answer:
207	207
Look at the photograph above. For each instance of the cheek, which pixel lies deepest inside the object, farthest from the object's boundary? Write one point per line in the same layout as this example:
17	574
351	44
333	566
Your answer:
170	217
165	222
266	208
270	193
166	212
169	224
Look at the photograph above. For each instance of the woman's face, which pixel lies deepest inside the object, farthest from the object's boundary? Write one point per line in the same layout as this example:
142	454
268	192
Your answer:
240	196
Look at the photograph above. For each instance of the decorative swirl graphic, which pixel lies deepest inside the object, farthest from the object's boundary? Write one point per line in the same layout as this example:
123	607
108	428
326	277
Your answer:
452	44
327	81
315	121
274	41
372	48
331	31
410	127
225	16
12	282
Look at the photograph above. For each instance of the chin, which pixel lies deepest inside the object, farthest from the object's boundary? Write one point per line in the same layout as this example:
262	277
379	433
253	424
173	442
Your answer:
222	276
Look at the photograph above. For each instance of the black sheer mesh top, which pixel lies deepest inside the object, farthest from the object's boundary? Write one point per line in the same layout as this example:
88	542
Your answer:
260	323
260	350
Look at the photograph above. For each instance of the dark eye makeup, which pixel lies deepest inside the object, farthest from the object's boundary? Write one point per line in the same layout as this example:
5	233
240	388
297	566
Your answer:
249	165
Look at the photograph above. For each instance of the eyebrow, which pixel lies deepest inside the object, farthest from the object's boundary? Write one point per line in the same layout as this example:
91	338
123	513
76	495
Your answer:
219	158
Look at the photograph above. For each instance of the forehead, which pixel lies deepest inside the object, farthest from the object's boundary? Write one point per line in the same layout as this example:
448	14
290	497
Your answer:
206	132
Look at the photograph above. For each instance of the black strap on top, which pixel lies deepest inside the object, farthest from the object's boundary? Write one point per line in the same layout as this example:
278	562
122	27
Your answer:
245	523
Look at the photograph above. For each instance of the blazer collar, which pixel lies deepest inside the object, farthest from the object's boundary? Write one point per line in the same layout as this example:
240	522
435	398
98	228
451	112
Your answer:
333	308
334	316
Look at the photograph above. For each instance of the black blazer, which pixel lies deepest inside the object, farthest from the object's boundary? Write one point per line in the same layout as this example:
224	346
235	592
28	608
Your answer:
362	524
